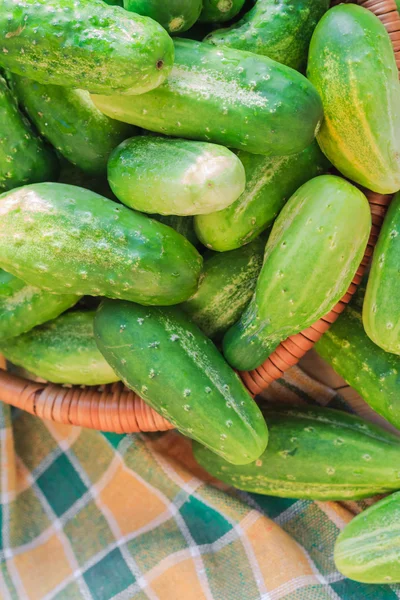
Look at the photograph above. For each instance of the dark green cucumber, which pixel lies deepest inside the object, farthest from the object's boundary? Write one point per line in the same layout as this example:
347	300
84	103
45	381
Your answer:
72	123
226	287
24	306
368	549
191	178
315	453
183	225
174	15
61	351
353	67
23	156
212	90
381	312
312	254
219	11
84	44
66	239
174	367
270	181
74	176
372	372
280	29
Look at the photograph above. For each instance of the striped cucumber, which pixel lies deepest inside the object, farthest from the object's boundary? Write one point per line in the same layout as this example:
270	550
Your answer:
164	357
61	351
381	312
315	453
72	123
270	181
66	239
219	11
211	90
174	15
226	287
368	549
280	29
312	254
352	65
84	44
23	156
190	178
24	306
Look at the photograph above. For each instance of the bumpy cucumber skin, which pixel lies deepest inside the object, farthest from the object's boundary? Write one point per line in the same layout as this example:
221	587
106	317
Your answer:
24	306
23	156
368	549
219	11
175	176
313	251
174	367
226	287
84	44
280	29
352	65
316	454
72	123
372	372
270	181
228	97
381	312
66	239
174	15
61	351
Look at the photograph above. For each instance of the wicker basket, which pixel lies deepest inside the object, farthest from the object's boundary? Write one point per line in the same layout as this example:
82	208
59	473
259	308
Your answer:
115	408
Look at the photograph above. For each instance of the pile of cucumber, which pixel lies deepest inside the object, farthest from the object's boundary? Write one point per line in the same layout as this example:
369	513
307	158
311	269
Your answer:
173	208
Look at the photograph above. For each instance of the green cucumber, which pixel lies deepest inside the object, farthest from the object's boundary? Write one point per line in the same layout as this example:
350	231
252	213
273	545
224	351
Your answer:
226	287
23	156
183	225
270	181
368	549
24	306
61	351
190	178
315	453
372	372
228	97
312	254
381	312
84	44
174	367
66	239
353	67
72	123
174	15
280	29
219	11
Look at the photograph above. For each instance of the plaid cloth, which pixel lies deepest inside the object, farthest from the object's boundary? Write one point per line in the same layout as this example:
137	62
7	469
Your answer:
91	515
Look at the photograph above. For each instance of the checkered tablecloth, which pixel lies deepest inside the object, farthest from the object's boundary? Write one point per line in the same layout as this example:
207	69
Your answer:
91	515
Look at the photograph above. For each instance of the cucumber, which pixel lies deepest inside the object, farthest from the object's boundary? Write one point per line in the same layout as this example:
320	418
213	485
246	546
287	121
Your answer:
316	454
23	156
24	306
174	15
84	44
66	239
71	123
373	373
219	11
270	181
74	176
381	312
212	90
312	254
368	549
183	225
353	67
190	178
280	29
226	288
61	351
176	369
